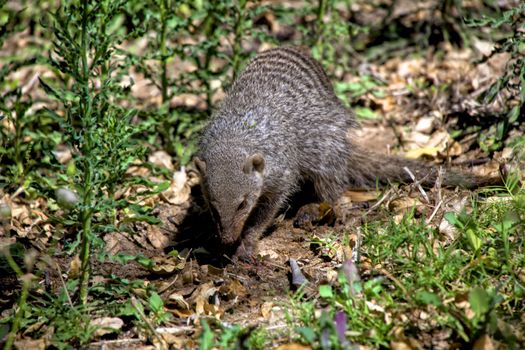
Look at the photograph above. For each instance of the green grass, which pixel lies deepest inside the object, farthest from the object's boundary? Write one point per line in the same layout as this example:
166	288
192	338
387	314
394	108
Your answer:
466	288
420	285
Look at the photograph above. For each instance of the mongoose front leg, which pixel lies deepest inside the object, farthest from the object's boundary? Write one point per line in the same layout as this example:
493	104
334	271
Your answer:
260	219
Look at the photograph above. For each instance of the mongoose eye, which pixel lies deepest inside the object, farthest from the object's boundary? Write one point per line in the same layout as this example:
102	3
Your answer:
242	205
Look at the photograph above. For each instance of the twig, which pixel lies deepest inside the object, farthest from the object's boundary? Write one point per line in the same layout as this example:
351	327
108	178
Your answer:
429	220
395	280
439	182
378	203
357	247
149	325
63	284
162	290
116	341
423	193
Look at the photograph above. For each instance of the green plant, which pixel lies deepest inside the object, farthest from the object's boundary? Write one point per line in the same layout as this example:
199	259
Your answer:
345	307
96	128
207	63
231	337
513	80
24	137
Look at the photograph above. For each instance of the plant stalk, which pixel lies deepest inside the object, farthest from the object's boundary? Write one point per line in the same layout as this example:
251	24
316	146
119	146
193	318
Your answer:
86	212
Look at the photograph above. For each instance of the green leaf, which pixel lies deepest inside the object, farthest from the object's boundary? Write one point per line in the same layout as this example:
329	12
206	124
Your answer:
325	291
307	333
507	223
49	90
452	219
366	113
155	302
206	338
129	310
479	301
513	114
474	241
428	298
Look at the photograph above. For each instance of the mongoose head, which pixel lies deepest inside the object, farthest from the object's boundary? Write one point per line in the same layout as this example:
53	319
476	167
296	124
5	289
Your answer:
232	185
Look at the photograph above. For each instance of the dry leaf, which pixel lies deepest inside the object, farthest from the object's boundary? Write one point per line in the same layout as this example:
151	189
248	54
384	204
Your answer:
165	265
440	140
74	267
179	190
403	204
462	302
417	153
106	325
484	343
456	206
156	237
161	159
178	299
361	196
62	154
175	336
425	125
233	289
268	253
266	310
200	300
400	345
31	344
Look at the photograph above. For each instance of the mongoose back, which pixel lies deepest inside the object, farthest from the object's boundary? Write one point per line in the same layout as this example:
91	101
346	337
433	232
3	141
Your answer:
282	125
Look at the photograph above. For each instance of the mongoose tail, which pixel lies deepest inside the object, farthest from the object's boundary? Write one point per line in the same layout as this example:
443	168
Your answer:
374	169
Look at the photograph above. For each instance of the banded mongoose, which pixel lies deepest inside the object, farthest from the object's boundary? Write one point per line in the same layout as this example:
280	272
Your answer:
281	125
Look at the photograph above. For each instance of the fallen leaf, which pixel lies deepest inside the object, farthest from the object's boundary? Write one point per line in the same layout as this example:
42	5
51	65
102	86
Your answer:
179	190
156	237
266	310
106	325
167	265
31	344
447	229
425	125
400	345
74	267
268	253
403	203
179	300
417	153
361	196
161	159
484	343
233	289
200	298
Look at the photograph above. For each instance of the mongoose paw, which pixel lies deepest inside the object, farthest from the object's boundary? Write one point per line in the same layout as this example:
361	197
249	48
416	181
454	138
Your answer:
245	253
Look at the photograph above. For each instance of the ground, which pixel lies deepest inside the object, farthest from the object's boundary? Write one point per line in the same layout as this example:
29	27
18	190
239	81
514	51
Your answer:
423	110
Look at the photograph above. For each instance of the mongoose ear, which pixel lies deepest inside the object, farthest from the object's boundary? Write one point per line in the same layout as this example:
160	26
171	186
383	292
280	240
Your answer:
201	165
254	162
